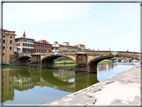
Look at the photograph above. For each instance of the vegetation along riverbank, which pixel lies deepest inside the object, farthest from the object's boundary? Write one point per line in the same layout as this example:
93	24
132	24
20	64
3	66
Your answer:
72	62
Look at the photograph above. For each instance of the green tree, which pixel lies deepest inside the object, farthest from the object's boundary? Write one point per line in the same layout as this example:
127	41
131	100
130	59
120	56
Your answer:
79	49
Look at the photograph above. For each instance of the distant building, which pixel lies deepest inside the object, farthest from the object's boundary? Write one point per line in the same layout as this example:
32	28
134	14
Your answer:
65	47
66	43
8	44
42	46
55	47
109	49
81	46
24	45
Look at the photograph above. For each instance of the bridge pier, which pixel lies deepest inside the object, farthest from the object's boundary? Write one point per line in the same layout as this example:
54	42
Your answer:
93	68
81	64
16	61
35	61
47	64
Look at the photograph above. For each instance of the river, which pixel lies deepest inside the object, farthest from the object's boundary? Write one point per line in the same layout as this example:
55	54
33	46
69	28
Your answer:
22	85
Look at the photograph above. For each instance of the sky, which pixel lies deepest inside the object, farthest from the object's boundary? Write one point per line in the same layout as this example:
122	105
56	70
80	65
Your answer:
96	25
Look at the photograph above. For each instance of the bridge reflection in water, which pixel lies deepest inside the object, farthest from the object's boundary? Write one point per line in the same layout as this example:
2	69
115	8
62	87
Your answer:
60	81
24	78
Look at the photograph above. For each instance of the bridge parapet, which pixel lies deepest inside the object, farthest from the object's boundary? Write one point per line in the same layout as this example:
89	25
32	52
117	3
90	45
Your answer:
134	55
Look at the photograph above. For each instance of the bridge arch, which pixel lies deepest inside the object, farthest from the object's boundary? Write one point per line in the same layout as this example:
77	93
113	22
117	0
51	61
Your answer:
98	59
47	61
52	57
24	60
93	63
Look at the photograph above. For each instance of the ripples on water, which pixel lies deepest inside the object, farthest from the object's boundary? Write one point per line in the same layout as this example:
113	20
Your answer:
22	85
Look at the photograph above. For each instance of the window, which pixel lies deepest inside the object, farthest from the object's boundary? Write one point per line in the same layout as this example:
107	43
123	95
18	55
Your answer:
3	47
3	36
9	82
3	54
31	41
10	48
9	89
36	44
3	41
10	41
16	40
18	44
10	36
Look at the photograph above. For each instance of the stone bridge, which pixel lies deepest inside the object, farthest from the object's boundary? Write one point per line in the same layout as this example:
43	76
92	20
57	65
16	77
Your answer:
86	62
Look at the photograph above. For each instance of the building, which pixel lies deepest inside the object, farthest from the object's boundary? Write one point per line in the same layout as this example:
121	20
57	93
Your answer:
81	46
65	47
8	38
55	47
24	45
42	46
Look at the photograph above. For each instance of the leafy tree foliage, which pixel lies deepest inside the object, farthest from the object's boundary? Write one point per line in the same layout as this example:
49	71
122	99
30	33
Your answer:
79	49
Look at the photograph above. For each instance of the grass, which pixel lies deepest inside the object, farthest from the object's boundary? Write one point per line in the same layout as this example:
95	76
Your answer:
4	65
62	65
63	61
123	60
105	61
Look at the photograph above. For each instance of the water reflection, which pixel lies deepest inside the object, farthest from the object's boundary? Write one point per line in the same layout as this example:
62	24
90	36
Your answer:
24	78
7	86
105	71
50	84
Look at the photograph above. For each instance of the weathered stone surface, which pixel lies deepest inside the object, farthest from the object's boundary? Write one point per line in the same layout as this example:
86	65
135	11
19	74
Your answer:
121	89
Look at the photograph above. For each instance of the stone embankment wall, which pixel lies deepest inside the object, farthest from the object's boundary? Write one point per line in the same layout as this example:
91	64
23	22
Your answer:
121	89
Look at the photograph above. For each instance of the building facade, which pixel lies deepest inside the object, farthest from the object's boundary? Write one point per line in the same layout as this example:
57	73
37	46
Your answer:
24	45
55	47
8	38
65	47
42	46
81	46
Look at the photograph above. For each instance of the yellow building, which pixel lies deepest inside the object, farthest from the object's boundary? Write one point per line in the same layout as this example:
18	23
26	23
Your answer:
8	38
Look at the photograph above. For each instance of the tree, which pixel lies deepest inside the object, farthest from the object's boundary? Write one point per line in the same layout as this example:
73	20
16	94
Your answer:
79	49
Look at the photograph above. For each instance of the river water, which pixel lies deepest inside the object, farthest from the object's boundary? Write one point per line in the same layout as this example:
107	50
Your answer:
22	85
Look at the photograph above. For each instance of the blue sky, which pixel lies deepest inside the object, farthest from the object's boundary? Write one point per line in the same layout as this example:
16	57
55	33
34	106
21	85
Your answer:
96	25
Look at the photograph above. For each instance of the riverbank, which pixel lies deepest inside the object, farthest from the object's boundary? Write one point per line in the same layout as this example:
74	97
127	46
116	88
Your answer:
121	89
72	62
4	65
105	61
64	62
